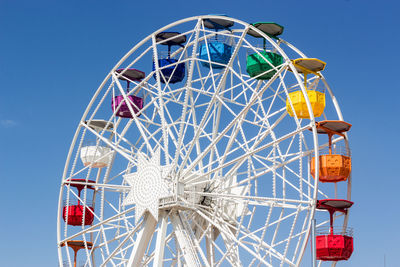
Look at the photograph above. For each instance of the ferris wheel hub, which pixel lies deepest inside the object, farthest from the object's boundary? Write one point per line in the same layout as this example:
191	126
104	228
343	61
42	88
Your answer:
147	185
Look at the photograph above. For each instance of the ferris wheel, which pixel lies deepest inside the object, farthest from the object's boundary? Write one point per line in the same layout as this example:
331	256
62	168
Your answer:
201	148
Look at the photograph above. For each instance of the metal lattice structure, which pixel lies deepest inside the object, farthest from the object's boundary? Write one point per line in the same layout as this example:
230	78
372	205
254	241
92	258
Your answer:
210	170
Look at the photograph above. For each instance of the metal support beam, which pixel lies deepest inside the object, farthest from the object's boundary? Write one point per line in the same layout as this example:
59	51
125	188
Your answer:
233	254
210	247
160	244
142	240
185	242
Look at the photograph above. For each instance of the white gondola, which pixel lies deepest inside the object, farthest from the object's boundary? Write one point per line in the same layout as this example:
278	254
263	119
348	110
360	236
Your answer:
96	156
93	154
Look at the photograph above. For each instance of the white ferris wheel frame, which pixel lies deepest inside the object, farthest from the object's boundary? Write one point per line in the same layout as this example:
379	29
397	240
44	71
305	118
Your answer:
176	220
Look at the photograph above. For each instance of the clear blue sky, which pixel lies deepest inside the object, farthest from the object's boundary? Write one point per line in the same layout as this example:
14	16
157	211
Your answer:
54	54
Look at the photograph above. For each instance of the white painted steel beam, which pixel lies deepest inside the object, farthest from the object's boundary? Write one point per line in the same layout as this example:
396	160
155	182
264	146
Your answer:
184	241
142	241
160	244
210	247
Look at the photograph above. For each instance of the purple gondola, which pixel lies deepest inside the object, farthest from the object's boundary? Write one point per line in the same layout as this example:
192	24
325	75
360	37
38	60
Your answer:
118	103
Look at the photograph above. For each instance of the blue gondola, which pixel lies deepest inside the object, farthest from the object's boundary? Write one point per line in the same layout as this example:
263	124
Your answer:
170	70
216	51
